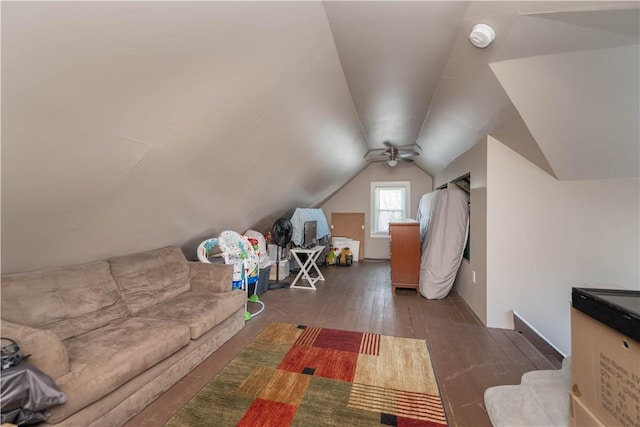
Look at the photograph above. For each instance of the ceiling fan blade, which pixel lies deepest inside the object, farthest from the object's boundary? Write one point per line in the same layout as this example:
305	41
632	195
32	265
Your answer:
371	150
379	157
393	153
406	147
410	154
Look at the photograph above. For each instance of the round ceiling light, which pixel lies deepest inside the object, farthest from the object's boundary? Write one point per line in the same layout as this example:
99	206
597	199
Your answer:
482	35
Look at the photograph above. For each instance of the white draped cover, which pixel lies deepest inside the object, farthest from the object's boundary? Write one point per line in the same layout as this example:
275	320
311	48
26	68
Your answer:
444	224
302	215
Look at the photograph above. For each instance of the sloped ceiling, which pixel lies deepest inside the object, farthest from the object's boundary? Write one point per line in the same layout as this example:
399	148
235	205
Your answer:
404	60
487	91
392	56
131	125
583	118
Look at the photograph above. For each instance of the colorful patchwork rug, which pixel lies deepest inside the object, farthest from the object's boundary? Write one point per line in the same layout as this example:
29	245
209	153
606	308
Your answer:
296	375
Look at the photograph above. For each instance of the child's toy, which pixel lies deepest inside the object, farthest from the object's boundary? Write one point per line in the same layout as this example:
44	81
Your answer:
257	241
331	257
345	258
237	251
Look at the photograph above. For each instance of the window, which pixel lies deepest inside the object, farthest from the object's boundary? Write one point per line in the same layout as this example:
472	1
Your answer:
389	201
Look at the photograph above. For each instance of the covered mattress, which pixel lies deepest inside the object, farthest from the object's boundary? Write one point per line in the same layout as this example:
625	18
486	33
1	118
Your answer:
444	224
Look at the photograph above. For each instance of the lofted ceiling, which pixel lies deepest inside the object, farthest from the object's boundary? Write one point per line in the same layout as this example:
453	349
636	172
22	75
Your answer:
393	56
559	85
131	125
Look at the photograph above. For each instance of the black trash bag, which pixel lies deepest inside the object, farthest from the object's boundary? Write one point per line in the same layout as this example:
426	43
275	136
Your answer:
26	394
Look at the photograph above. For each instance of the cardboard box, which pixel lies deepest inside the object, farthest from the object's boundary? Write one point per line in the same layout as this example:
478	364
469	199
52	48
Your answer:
605	370
580	415
284	270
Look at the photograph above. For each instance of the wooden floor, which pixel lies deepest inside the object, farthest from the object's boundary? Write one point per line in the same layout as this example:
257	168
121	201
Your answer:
467	357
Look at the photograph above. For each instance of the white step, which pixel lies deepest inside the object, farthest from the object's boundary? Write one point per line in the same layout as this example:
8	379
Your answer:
541	399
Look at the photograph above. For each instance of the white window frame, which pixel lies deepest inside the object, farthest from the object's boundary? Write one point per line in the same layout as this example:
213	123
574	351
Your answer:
373	212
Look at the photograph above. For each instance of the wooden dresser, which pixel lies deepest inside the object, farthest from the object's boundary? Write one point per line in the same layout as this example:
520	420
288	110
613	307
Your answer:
404	250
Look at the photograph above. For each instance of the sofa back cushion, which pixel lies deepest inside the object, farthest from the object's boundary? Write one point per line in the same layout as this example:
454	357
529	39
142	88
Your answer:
148	278
68	301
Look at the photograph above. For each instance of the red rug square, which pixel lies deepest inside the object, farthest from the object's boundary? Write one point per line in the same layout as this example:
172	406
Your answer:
339	340
323	362
268	414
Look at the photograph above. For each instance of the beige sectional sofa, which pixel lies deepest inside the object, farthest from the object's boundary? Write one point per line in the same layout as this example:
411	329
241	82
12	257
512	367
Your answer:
116	334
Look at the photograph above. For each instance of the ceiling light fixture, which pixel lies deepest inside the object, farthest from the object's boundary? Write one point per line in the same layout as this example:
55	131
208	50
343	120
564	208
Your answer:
392	163
482	35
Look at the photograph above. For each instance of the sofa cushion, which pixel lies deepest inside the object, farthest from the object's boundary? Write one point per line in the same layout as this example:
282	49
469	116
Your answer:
67	301
200	311
148	278
104	359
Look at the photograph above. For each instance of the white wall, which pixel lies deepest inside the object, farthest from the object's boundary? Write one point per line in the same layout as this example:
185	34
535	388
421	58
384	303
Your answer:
355	197
546	236
474	162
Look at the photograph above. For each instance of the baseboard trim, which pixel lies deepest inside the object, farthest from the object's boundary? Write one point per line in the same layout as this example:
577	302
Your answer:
538	341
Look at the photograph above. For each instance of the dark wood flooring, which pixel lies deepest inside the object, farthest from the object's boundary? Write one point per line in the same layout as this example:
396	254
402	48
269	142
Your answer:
467	357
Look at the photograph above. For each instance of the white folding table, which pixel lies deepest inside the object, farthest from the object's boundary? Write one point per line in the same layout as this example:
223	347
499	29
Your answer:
307	267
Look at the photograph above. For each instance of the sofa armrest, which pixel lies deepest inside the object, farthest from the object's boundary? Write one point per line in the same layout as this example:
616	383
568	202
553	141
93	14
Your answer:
210	277
47	351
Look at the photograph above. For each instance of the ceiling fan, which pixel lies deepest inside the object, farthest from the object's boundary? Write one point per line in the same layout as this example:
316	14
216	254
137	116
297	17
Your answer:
393	154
